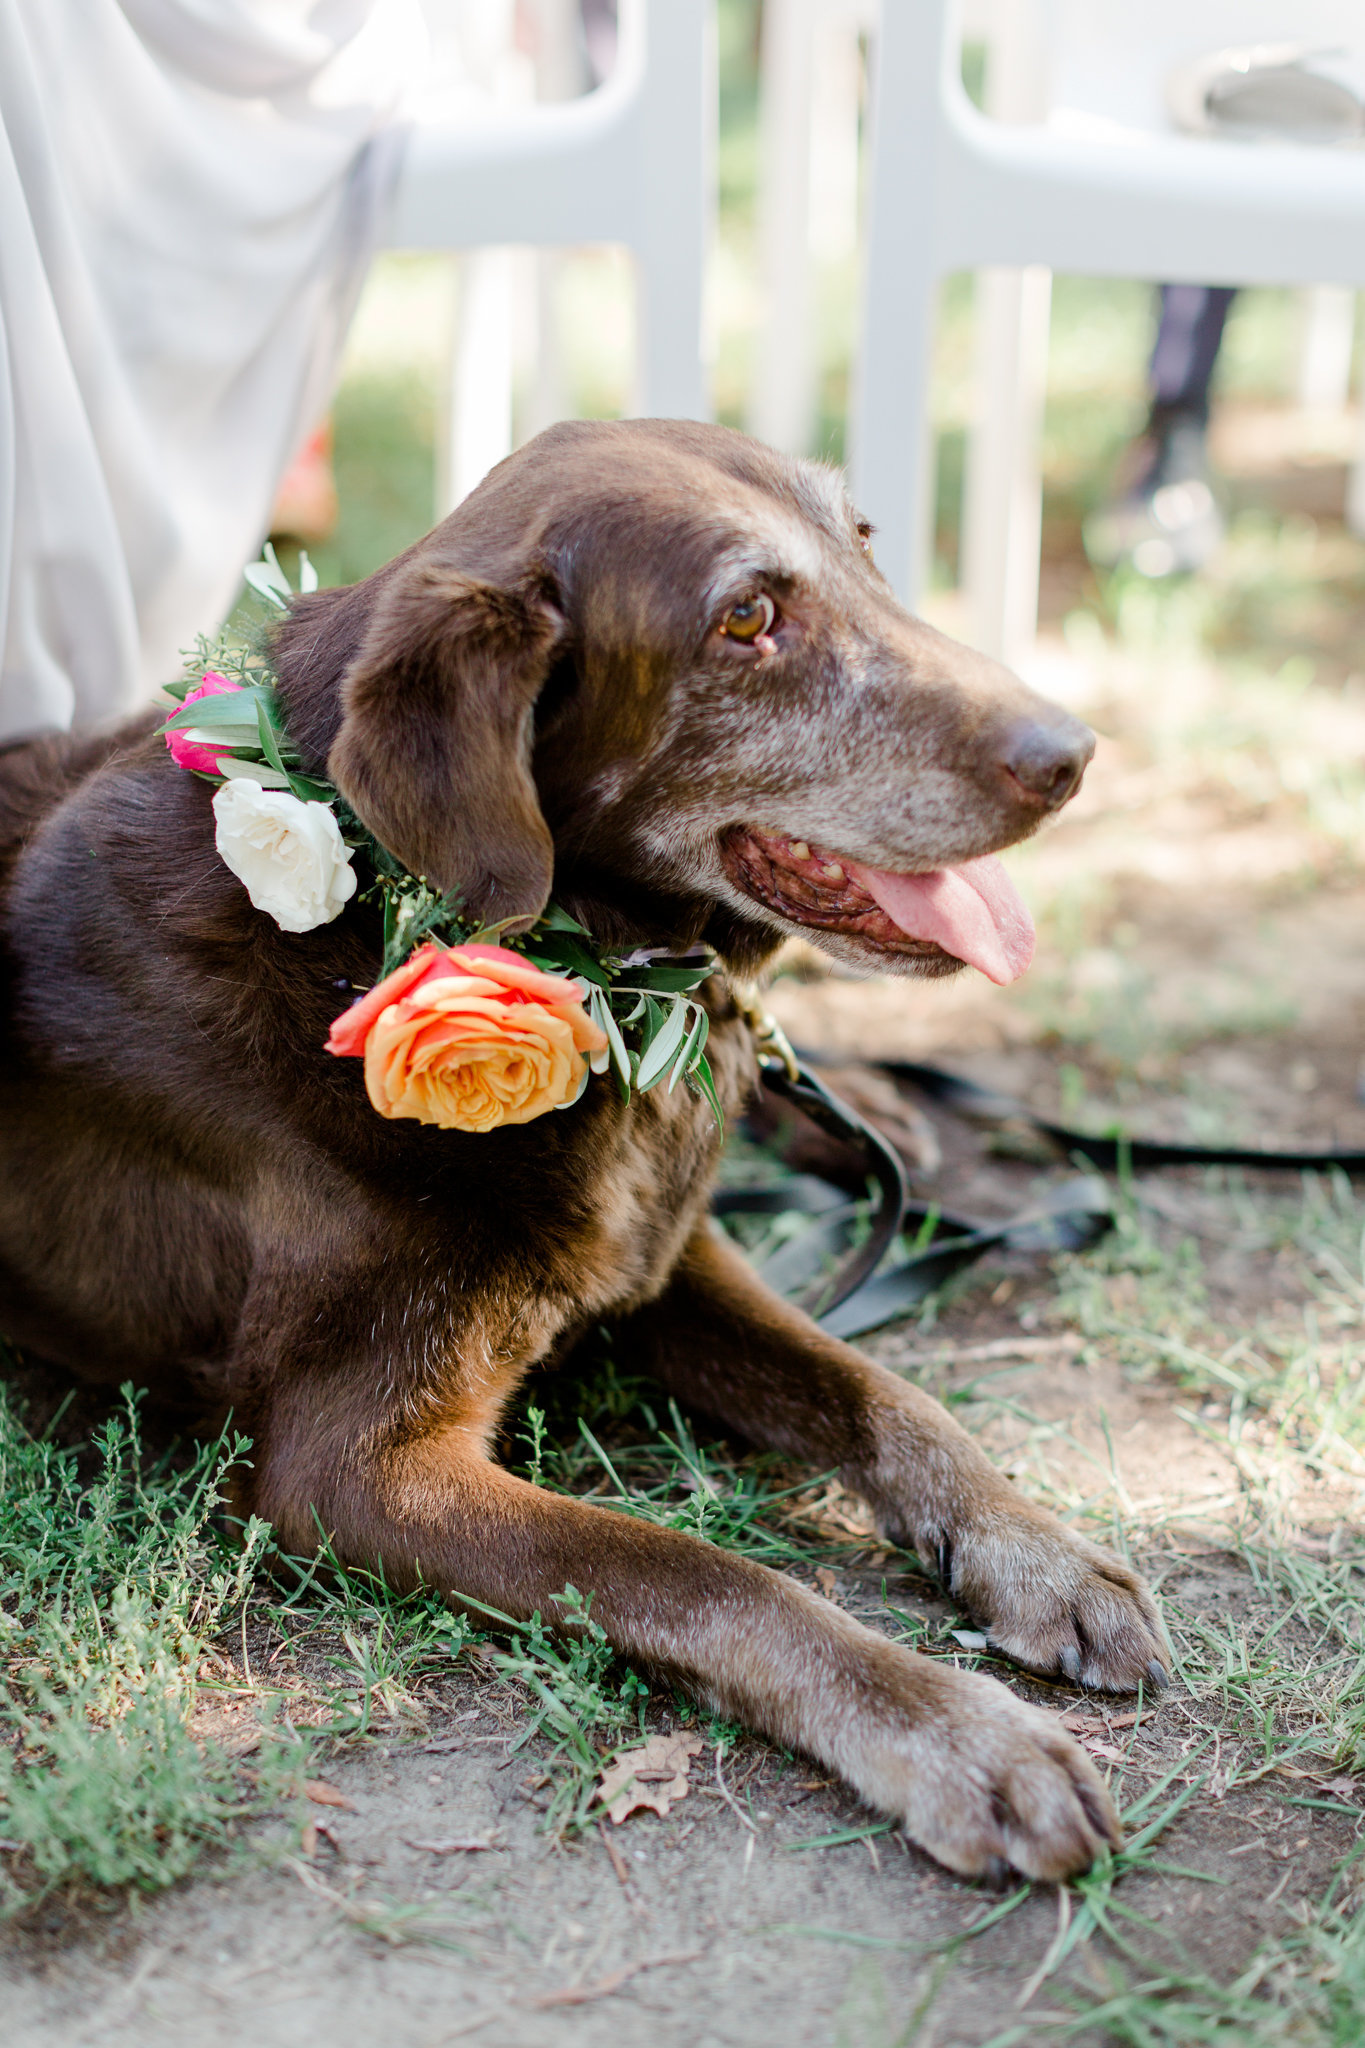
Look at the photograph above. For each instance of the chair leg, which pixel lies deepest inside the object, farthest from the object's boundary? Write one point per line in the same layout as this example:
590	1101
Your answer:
676	120
781	405
1355	480
892	436
1328	313
479	429
1002	502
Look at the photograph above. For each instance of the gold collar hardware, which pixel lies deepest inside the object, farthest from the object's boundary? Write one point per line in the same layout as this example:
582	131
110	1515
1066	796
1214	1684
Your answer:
770	1040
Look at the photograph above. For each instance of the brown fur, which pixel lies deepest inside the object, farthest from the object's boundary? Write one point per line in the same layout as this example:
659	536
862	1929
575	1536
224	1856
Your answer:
192	1193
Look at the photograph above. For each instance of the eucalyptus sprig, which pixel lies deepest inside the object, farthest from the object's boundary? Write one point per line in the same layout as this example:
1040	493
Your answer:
645	1005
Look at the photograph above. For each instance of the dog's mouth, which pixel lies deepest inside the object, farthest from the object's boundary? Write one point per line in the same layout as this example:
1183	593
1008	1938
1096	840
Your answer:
970	915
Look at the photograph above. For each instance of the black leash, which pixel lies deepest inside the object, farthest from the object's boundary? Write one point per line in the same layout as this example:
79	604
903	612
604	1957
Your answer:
843	1288
1111	1154
847	1295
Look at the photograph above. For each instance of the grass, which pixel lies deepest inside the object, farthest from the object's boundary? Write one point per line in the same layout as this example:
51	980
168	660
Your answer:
125	1613
110	1591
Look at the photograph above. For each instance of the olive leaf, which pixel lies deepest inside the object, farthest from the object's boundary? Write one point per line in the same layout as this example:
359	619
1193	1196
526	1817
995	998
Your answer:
706	1083
599	1009
666	979
659	1051
696	1040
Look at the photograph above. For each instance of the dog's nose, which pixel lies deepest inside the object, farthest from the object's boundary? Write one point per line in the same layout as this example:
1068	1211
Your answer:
1048	761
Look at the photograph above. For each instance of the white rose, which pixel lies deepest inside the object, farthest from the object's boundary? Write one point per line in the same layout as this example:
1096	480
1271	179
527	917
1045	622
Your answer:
289	855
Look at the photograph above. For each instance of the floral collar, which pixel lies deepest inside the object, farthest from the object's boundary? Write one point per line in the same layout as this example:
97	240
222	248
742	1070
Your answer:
464	1028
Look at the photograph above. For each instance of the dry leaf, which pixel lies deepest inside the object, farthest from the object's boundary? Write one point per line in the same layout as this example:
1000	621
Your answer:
1104	1749
316	1831
827	1581
323	1794
583	1994
1091	1724
615	1857
654	1776
455	1845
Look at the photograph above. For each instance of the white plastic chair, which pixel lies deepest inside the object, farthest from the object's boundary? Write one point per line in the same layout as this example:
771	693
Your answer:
1104	188
631	163
807	211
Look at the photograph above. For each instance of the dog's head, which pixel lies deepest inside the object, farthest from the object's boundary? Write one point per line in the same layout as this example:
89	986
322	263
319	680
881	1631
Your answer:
652	664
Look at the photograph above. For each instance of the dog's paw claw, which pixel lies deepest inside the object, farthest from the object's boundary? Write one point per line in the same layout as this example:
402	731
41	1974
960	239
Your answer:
1058	1605
998	1789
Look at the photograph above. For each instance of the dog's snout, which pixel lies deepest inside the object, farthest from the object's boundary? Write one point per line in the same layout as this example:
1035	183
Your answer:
1048	761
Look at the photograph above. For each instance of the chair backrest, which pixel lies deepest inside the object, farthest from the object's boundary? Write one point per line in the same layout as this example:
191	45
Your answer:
629	163
1111	58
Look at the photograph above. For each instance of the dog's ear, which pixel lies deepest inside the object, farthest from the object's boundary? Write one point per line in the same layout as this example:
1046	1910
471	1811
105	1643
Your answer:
434	750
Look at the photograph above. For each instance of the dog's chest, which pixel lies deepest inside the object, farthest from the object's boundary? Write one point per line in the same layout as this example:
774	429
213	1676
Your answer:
589	1225
504	1263
648	1186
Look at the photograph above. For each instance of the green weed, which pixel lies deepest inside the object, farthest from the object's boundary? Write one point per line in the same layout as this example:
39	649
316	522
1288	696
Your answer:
108	1593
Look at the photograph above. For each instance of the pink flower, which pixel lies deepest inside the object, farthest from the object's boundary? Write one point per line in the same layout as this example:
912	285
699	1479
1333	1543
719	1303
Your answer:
188	753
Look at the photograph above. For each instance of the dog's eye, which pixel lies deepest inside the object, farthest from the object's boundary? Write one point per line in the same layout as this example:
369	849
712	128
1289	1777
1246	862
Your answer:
750	619
865	532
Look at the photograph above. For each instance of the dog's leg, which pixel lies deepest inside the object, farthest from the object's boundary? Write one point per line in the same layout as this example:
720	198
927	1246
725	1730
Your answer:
977	1777
1049	1599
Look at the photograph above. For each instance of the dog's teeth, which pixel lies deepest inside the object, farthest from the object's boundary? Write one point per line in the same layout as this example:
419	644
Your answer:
832	871
800	850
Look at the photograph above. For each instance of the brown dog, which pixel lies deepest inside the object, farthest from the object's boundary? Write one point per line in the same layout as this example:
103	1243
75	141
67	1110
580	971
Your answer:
654	663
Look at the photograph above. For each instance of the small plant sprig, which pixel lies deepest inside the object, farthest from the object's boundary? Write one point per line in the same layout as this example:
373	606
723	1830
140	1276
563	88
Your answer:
646	1007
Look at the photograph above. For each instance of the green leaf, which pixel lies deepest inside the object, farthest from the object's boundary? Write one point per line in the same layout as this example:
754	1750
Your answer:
557	920
696	1039
269	584
599	1009
673	980
562	950
706	1081
226	738
269	744
259	772
312	791
662	1049
225	707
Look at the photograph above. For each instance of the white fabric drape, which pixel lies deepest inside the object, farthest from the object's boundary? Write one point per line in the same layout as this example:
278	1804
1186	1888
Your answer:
188	196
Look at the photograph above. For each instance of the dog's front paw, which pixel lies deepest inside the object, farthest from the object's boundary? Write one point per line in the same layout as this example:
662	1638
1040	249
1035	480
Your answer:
984	1782
1054	1602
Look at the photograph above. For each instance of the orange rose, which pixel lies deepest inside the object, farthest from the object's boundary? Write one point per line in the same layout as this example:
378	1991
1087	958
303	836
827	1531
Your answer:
469	1039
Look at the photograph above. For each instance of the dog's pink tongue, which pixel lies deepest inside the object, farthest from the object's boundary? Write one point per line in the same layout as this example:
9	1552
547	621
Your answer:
974	912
